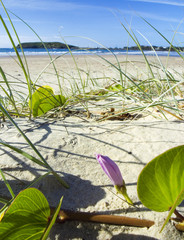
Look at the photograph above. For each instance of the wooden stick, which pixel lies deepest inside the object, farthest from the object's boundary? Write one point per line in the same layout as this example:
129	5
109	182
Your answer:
65	215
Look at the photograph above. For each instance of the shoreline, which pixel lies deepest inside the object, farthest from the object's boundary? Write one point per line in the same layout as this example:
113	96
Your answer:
148	51
90	54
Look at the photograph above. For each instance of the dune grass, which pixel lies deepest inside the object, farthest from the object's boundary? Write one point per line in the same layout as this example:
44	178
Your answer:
153	87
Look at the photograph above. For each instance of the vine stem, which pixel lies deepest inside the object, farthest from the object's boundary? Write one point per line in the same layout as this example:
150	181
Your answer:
178	215
65	215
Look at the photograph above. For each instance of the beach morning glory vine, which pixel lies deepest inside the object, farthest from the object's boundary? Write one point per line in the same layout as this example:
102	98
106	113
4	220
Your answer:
113	172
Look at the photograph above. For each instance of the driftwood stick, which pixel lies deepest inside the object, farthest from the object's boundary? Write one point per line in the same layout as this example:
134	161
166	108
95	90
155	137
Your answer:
65	215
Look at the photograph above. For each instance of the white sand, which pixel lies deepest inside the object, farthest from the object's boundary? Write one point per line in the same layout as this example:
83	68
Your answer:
90	67
69	146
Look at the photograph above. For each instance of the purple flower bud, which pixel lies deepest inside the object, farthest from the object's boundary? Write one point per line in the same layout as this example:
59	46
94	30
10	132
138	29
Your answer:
111	169
113	172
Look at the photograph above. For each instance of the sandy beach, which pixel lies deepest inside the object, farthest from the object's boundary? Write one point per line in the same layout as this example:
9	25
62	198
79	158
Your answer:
69	145
88	67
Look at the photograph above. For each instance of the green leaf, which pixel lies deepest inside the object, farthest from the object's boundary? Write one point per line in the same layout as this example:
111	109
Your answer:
116	88
46	233
27	217
161	182
43	100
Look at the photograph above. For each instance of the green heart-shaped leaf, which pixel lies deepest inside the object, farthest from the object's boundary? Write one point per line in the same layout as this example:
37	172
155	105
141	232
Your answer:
27	217
161	182
43	100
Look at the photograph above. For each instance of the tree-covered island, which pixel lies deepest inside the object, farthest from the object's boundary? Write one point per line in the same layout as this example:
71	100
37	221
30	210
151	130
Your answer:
51	45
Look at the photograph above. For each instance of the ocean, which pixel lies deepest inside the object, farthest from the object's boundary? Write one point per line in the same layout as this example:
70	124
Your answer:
41	52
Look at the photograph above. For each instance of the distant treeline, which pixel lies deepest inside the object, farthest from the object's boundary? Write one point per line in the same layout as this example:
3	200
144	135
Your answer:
156	48
144	48
47	44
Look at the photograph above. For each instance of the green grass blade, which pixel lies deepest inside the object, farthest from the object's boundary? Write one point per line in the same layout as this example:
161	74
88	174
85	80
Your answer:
129	78
26	73
134	38
104	47
37	179
164	70
10	96
4	201
43	46
32	146
51	223
7	184
171	45
21	132
23	153
178	201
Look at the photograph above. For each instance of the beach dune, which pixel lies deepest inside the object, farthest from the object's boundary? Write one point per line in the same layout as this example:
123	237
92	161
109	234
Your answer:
69	145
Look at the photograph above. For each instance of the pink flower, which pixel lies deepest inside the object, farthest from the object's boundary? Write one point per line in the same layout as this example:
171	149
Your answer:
111	169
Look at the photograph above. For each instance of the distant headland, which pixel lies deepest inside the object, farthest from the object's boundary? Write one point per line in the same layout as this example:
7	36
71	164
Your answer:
57	45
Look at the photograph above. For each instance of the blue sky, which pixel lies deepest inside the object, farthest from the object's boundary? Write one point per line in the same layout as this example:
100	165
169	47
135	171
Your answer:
100	20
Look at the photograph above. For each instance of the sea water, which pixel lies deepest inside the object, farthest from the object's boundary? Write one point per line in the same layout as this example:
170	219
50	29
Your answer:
41	52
